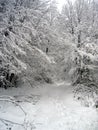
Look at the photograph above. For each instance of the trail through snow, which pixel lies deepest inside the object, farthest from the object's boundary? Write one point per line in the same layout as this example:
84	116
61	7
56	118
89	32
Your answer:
48	107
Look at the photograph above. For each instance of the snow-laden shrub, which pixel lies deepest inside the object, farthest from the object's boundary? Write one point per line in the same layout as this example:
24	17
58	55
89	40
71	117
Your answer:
83	70
87	95
7	78
43	77
83	65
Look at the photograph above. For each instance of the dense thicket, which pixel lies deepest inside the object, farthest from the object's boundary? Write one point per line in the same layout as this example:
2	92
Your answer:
25	35
79	22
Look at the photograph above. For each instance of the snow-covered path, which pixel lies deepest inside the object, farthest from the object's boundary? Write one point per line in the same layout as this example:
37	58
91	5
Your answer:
55	109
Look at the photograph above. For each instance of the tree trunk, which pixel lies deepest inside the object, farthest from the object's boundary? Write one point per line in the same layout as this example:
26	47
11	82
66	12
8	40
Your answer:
79	37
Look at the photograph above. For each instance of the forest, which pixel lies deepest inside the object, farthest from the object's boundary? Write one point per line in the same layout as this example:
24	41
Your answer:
49	64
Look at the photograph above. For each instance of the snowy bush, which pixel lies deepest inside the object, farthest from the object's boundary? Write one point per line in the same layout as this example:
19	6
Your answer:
7	78
83	70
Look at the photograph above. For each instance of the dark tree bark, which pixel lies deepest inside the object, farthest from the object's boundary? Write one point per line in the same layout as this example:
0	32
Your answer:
47	50
79	37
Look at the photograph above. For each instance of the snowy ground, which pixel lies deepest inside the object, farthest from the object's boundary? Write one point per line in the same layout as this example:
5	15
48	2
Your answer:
47	107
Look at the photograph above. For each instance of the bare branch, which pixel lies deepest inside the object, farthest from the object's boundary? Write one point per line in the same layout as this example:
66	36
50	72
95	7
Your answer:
7	100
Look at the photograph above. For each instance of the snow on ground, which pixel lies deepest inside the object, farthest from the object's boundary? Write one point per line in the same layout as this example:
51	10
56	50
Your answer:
46	107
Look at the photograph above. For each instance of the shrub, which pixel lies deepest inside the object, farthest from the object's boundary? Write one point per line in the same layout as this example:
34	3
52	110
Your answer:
43	77
7	79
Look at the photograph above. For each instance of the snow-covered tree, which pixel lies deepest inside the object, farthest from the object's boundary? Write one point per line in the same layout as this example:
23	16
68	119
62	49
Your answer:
80	19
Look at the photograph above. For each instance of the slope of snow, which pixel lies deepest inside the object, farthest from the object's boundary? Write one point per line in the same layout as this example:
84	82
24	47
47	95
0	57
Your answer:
47	107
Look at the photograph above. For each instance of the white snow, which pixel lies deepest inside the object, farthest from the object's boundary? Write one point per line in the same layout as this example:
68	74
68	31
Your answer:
47	107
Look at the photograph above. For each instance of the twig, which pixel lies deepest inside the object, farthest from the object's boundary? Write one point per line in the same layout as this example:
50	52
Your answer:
5	120
7	100
6	96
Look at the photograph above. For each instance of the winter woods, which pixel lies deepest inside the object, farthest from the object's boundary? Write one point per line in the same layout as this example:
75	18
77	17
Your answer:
42	44
48	57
